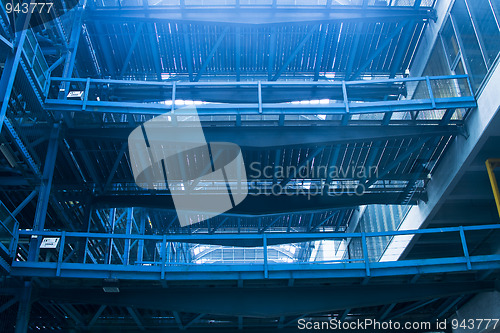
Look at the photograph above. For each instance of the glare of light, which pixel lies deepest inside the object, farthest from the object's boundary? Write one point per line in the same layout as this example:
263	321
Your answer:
399	243
396	247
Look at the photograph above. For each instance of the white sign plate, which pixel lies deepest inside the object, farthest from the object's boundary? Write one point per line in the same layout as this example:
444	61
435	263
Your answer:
49	243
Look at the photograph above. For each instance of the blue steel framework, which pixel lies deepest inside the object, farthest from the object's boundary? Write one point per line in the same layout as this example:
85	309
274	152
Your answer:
180	268
312	52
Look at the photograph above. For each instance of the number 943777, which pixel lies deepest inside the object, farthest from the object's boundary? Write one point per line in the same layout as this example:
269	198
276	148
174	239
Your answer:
33	7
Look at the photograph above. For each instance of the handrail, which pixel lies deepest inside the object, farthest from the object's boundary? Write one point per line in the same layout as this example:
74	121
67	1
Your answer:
345	98
256	83
164	267
271	235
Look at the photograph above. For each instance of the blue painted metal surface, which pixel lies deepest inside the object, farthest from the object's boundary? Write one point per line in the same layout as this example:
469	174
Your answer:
461	99
172	46
182	269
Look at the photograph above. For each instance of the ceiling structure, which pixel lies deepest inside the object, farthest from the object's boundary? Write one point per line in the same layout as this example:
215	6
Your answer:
295	84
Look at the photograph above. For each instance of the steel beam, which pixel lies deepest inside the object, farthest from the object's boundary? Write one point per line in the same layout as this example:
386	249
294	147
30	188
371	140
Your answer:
136	318
266	108
121	153
288	136
104	43
385	311
379	50
8	304
259	204
44	193
96	316
224	220
270	224
447	306
211	54
128	231
187	51
261	14
200	237
273	302
302	164
178	319
72	313
296	51
142	231
24	203
238	52
381	174
411	308
323	222
354	50
320	54
153	44
194	320
23	312
272	53
402	47
137	35
12	61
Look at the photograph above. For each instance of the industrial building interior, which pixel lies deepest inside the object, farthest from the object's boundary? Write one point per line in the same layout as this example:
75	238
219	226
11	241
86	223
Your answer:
391	106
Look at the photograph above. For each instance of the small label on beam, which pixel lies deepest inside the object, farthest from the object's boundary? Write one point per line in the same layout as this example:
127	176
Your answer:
76	94
50	243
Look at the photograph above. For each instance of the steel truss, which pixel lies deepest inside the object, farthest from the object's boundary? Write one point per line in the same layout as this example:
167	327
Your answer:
64	264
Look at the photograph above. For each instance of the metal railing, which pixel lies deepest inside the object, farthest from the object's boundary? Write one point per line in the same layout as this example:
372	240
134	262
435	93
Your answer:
8	228
429	96
152	256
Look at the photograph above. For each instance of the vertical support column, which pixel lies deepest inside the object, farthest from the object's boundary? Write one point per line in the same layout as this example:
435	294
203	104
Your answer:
23	313
61	253
260	96
12	61
142	231
128	231
88	220
365	253
69	64
172	109
86	94
347	116
431	93
238	52
464	247
109	255
163	256
264	241
44	193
